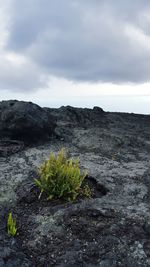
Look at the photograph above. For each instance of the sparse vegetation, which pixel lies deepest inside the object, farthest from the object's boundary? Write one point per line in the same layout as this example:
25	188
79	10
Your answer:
86	191
60	177
11	225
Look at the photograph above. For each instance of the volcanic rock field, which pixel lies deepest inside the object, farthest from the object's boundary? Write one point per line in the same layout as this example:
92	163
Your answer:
110	229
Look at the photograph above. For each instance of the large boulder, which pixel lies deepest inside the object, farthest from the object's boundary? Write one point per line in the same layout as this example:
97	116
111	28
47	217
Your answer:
25	121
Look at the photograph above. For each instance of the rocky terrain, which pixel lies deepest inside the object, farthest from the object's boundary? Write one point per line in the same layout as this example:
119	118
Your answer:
112	229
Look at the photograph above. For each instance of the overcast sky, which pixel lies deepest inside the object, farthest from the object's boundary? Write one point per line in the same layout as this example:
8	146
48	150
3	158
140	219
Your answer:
76	52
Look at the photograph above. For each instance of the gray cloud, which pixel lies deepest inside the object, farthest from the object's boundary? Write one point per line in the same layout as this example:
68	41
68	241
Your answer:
20	76
84	40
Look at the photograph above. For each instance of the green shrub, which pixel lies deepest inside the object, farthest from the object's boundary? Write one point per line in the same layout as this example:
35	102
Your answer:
60	177
11	225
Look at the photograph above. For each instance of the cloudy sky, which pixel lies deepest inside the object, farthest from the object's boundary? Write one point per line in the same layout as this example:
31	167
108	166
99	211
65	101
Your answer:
76	52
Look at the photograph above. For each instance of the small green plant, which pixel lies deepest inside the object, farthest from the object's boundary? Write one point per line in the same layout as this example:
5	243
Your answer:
11	225
86	191
60	177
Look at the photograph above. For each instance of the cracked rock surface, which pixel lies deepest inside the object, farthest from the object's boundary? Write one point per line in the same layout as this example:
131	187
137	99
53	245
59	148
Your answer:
110	230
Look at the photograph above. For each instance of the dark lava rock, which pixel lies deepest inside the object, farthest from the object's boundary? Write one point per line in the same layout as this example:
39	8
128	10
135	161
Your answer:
111	229
68	118
8	147
10	258
24	121
78	116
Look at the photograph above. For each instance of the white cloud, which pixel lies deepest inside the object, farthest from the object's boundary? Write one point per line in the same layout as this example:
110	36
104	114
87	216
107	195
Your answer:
18	73
127	98
139	40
